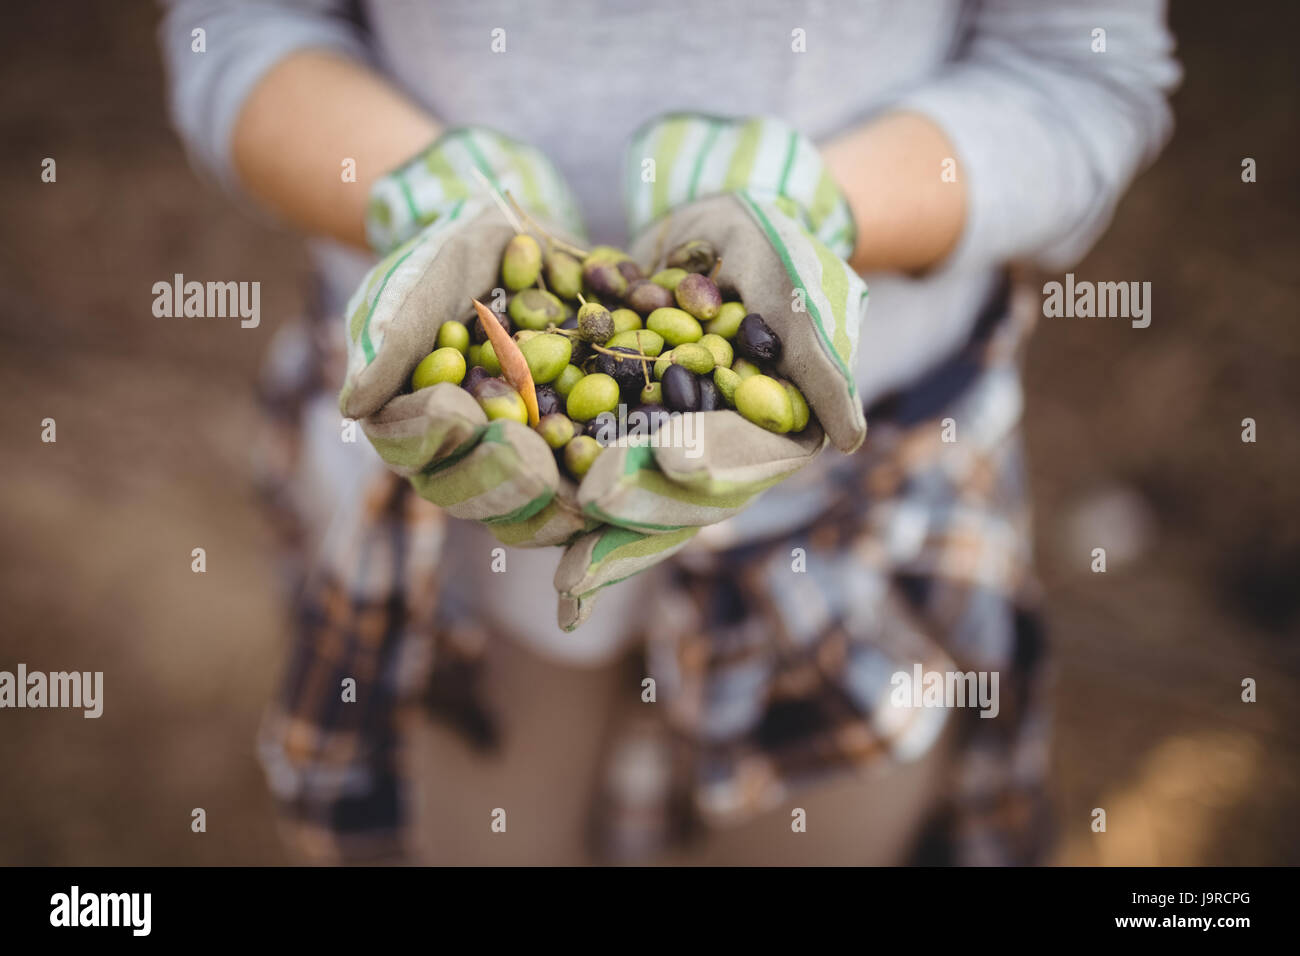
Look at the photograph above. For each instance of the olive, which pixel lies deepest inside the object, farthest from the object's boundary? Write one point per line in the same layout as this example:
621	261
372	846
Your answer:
642	340
499	400
699	296
591	395
710	395
625	320
668	278
487	357
756	341
728	320
765	402
564	275
674	325
630	271
549	401
653	394
646	419
580	454
547	355
694	357
798	405
453	335
681	389
744	368
595	324
570	323
626	371
475	377
567	379
645	296
522	262
601	273
440	365
726	380
695	255
535	309
719	348
603	428
556	429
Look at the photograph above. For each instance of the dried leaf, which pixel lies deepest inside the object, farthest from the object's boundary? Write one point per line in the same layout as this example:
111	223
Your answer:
513	365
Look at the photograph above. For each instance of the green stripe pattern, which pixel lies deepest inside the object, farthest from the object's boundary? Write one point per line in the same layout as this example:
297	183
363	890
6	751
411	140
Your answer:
695	156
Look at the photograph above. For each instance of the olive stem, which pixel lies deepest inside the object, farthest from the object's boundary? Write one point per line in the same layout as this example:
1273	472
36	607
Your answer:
559	243
713	275
501	203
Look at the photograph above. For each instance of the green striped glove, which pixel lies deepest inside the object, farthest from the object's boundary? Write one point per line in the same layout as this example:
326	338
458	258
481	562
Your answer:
442	237
759	193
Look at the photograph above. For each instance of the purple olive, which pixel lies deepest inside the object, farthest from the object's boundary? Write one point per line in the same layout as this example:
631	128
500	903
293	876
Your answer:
548	401
473	377
645	296
710	395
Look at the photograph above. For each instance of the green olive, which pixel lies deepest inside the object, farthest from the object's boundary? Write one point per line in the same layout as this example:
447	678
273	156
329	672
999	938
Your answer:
625	320
766	403
522	262
727	323
653	394
453	335
694	358
799	405
643	340
535	309
472	355
744	368
668	278
499	400
441	365
580	454
675	325
567	378
591	395
595	324
556	429
563	275
487	358
727	382
721	349
547	355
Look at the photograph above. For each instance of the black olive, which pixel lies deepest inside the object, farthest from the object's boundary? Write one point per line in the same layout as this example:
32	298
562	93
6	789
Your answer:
548	401
756	341
627	372
476	327
681	389
710	395
472	378
603	428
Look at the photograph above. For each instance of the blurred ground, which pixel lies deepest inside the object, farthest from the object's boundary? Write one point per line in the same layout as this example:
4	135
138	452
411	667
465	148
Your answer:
152	461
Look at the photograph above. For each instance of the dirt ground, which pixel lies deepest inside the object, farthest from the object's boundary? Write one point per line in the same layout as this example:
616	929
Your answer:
1134	432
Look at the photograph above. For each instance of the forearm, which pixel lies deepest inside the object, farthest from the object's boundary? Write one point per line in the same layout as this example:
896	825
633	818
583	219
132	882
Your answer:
909	216
305	117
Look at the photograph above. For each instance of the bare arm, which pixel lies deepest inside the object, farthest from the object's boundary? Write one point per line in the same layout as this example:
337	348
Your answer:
908	217
308	114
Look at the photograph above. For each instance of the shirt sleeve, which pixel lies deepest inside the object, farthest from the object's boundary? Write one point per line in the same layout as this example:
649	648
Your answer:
1050	120
208	82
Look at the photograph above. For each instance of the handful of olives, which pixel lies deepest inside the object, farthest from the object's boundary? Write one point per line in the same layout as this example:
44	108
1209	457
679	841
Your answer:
595	333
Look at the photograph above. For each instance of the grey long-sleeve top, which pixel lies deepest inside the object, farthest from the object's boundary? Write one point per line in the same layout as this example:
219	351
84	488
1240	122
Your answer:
1047	131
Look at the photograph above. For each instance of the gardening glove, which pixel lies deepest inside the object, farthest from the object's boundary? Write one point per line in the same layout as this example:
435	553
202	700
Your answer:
442	237
758	191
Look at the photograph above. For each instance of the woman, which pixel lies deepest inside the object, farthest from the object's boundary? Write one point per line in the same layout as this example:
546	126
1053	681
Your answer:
960	137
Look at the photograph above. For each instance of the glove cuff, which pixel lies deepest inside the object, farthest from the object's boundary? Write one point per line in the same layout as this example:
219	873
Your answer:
678	158
441	182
